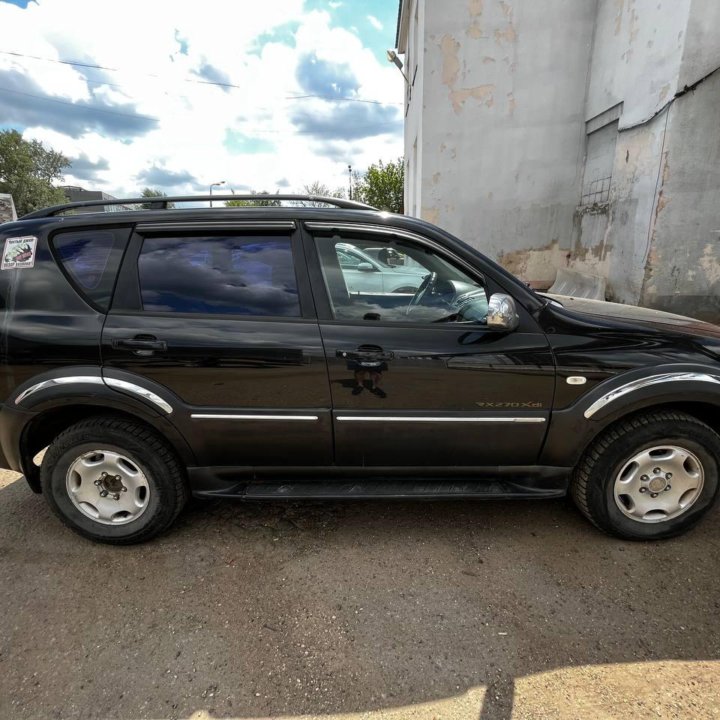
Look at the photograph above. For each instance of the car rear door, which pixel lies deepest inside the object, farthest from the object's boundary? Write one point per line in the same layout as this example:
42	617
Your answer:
217	320
410	389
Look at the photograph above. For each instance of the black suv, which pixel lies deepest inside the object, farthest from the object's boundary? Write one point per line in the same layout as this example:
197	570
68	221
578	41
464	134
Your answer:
332	352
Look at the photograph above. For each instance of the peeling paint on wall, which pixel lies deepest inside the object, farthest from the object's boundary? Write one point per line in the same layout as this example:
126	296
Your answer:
431	214
536	266
620	9
482	93
451	64
512	103
450	48
506	34
710	263
475	7
474	31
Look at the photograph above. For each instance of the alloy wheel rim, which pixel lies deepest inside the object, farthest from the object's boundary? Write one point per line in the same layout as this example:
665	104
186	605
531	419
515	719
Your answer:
108	487
659	483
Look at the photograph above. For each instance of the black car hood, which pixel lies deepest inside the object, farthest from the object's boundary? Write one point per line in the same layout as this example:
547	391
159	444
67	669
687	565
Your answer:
638	315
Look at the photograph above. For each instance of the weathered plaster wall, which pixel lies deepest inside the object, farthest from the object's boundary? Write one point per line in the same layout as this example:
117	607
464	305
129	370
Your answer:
683	269
7	208
702	42
636	56
617	243
503	125
645	53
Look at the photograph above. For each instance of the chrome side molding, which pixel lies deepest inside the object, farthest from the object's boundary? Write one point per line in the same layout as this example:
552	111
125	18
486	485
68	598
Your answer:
221	416
630	387
428	418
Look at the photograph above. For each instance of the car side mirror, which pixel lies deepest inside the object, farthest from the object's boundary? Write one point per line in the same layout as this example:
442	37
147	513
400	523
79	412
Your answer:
502	312
365	267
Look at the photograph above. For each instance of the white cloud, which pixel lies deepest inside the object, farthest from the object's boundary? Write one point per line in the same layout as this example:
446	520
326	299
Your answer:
375	22
273	136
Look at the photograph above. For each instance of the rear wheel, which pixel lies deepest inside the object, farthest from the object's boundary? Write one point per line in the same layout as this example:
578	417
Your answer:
650	477
113	480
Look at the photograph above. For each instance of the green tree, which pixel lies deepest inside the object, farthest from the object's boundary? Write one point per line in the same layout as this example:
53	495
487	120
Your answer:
382	186
28	171
153	193
320	189
254	203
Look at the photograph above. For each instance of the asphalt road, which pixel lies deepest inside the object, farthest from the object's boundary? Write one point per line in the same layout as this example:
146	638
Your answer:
361	610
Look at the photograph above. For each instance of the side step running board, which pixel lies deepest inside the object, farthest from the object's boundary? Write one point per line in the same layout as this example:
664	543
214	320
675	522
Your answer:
380	489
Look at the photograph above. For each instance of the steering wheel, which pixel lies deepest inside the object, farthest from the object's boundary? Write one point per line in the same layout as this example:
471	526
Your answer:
427	285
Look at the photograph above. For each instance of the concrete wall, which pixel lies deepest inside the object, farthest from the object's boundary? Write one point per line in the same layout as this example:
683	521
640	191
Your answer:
503	125
574	133
7	208
636	56
683	269
651	237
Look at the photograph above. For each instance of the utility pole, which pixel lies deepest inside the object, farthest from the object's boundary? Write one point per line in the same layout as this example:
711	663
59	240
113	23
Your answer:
349	182
222	182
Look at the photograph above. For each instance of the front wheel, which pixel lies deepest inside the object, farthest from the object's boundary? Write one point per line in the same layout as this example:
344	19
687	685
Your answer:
113	481
649	477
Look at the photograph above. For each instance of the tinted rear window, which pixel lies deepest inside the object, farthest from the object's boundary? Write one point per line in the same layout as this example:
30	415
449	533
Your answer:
219	275
91	258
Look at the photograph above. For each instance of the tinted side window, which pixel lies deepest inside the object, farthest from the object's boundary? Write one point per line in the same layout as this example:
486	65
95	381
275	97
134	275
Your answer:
91	258
419	287
226	275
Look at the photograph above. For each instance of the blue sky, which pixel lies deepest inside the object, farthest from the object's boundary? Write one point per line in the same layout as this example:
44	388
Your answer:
271	95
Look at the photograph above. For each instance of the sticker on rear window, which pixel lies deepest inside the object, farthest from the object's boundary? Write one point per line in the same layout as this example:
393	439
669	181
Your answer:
19	253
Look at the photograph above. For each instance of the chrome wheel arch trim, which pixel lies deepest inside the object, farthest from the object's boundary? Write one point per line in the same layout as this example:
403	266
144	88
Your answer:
641	383
52	382
113	383
142	392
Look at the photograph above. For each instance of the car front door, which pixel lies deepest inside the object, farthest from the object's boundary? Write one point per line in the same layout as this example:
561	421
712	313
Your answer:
420	380
219	322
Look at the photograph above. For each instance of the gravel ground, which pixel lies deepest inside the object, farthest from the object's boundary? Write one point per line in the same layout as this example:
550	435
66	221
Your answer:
507	610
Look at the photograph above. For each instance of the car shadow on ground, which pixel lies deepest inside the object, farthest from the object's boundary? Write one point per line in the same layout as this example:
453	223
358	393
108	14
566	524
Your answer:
314	608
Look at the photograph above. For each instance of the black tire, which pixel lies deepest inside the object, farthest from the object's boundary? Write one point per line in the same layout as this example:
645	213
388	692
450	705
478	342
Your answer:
592	485
165	478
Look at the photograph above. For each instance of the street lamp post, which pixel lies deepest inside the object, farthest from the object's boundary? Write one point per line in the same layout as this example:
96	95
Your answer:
222	182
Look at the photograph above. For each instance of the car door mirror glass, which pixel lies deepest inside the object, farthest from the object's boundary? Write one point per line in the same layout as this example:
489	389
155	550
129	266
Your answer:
365	267
502	312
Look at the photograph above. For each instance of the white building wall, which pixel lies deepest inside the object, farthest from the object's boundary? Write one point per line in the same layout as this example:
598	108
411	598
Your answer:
504	86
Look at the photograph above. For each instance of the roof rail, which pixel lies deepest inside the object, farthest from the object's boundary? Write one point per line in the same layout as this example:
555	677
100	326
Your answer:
161	203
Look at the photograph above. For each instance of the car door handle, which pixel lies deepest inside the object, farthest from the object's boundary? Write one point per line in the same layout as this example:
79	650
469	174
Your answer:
140	344
367	353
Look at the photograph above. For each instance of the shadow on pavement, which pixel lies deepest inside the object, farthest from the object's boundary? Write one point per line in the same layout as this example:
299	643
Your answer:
279	609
